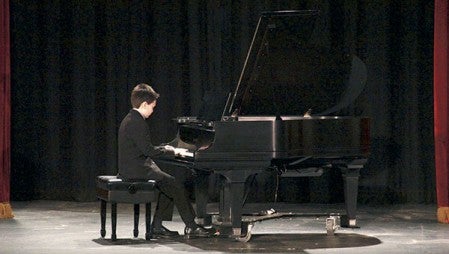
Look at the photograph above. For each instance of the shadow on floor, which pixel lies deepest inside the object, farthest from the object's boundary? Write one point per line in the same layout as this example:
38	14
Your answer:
262	243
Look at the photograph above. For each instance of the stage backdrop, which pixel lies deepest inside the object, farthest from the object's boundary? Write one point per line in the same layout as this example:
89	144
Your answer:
75	62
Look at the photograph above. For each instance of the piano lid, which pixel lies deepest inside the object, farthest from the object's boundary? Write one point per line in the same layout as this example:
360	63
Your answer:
292	67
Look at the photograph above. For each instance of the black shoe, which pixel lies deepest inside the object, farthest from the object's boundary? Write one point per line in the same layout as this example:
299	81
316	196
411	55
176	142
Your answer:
198	231
163	232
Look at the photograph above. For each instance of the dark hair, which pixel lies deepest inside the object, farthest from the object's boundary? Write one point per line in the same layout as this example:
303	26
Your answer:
143	92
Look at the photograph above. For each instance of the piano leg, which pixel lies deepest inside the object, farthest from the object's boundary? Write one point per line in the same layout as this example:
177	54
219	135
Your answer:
351	175
224	208
201	199
231	203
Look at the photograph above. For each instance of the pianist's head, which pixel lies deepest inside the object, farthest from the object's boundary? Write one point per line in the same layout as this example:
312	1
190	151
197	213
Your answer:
143	99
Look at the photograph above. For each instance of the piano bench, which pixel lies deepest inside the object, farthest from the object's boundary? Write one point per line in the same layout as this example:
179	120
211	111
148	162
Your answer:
114	190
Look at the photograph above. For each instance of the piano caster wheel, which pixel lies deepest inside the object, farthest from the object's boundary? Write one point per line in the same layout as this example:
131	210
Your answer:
332	223
348	223
246	232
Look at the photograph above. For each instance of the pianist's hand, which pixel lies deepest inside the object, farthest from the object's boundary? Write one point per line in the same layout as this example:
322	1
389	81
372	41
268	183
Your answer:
169	149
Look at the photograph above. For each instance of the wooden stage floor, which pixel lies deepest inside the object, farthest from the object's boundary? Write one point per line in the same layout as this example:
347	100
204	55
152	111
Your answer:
73	227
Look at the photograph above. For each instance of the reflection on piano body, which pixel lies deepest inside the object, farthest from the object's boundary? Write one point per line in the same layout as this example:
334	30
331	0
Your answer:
289	70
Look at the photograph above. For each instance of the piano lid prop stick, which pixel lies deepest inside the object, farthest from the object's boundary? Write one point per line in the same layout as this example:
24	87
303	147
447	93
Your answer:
226	106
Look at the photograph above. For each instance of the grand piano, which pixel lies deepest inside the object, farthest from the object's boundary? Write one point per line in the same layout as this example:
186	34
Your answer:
282	116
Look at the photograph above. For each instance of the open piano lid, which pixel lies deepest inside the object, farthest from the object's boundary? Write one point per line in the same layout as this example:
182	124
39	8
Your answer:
291	67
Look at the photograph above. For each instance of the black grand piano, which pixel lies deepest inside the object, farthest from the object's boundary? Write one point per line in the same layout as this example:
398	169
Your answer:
281	116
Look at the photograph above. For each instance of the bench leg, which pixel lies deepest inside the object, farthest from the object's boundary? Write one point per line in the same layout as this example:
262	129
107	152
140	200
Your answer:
103	218
136	220
114	221
149	229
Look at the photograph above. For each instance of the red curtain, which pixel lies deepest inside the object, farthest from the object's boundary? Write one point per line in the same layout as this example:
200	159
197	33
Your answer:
5	111
441	108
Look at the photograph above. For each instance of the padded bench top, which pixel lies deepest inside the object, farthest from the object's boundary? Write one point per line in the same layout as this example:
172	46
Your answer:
109	182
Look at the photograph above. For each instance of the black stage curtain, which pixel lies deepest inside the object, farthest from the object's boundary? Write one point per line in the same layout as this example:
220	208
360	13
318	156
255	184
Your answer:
75	62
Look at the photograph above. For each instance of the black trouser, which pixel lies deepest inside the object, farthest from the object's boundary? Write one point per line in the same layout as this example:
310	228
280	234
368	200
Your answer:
171	192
